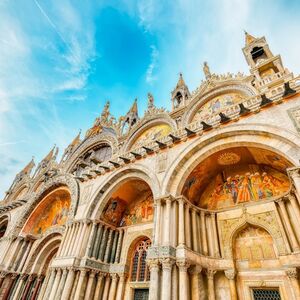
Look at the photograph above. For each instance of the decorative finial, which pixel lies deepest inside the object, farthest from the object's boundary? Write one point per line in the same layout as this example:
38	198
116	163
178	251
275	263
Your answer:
150	100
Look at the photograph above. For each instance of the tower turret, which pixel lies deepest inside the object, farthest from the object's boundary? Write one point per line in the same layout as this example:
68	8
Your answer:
180	94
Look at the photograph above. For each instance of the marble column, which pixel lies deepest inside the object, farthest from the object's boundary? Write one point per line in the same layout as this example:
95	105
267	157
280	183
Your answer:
188	226
290	232
89	248
11	278
296	210
154	279
44	286
167	264
61	284
106	287
121	286
63	242
167	221
79	238
108	246
23	260
203	234
210	284
215	235
294	174
69	284
183	266
114	247
157	222
37	287
99	286
20	255
181	234
29	281
119	246
194	231
55	285
81	286
75	241
98	241
175	285
293	276
49	284
20	286
90	289
69	241
103	244
230	274
195	293
113	287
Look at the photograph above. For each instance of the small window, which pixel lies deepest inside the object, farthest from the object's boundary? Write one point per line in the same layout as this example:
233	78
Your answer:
139	269
266	294
141	294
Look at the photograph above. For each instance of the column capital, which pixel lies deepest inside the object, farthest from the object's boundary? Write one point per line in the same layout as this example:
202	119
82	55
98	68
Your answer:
93	273
122	276
230	274
167	263
114	276
14	275
153	264
210	273
195	269
292	273
183	265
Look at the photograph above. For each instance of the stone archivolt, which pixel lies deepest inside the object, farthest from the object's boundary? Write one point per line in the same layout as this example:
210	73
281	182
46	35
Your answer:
140	181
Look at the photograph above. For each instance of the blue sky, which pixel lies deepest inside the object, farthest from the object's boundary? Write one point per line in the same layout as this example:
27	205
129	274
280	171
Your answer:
61	60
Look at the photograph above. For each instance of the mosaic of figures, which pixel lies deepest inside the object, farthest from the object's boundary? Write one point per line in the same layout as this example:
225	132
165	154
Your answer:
254	244
52	211
152	134
217	104
243	188
119	213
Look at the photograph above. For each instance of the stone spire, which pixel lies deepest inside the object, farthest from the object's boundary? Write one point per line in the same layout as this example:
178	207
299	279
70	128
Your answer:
76	140
131	117
28	168
181	93
249	38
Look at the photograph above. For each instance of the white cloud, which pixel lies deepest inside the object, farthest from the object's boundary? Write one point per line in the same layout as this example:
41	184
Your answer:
150	77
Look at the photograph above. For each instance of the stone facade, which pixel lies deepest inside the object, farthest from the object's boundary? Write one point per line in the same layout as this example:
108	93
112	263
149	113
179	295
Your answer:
161	207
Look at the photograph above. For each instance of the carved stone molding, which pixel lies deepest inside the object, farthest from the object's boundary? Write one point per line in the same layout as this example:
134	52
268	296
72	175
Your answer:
230	274
292	273
183	265
210	273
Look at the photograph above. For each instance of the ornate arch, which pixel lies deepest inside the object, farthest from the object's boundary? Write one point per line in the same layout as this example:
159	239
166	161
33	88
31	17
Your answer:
42	250
102	195
146	123
90	143
229	228
222	88
273	138
61	180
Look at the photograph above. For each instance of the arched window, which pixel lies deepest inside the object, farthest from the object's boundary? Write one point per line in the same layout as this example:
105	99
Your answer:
3	226
139	269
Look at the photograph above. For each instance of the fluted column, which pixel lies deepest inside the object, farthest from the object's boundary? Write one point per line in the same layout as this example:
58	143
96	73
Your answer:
108	246
210	283
113	287
183	266
69	284
99	286
167	264
79	295
89	248
154	279
167	220
55	285
230	274
290	232
157	221
121	286
90	286
181	235
293	276
203	234
194	231
195	288
119	245
106	287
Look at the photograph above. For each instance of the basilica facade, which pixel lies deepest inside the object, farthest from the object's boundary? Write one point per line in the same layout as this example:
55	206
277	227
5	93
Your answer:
202	202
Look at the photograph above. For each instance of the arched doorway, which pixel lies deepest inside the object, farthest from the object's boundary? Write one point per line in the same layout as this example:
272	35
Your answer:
3	225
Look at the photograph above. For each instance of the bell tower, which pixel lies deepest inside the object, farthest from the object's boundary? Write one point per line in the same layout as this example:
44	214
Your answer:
180	94
267	69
